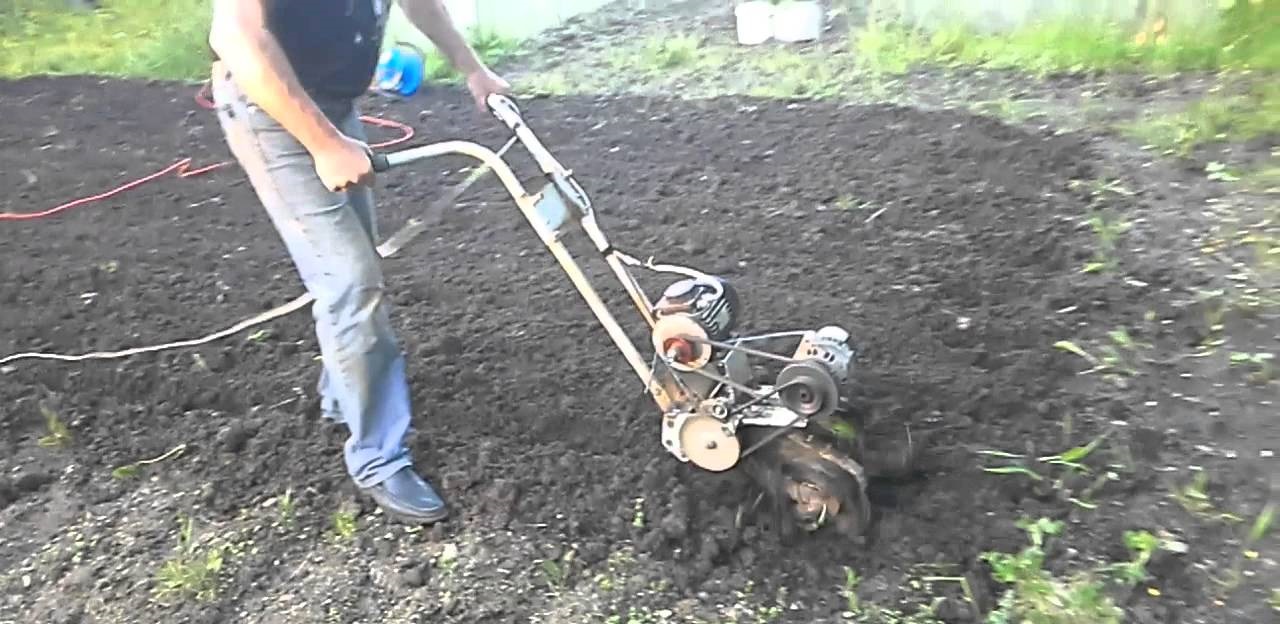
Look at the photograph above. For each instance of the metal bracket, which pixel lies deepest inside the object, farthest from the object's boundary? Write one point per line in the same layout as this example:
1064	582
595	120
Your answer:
773	416
551	210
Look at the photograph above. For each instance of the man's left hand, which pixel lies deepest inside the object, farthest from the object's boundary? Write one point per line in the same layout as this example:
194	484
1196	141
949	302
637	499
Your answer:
482	83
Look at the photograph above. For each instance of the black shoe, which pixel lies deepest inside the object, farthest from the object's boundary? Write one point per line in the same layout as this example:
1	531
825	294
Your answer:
407	497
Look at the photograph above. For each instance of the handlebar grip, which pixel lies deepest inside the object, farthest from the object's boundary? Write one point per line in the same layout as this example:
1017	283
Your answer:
380	162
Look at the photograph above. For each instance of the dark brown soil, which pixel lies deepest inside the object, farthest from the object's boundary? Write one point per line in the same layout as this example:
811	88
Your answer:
950	245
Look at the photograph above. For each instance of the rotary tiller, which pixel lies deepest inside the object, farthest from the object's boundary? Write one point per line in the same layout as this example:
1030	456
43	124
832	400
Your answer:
794	434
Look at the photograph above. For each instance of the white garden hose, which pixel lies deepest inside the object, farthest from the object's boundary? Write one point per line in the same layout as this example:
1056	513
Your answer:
388	248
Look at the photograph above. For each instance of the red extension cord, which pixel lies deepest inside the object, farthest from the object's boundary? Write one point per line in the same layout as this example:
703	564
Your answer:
184	170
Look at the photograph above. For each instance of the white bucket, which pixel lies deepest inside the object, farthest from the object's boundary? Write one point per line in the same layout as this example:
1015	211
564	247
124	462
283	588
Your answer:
754	17
797	20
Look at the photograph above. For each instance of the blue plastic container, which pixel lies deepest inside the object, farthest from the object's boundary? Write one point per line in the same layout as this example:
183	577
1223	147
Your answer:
400	69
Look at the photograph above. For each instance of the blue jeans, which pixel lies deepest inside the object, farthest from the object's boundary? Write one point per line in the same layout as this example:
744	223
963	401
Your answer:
331	238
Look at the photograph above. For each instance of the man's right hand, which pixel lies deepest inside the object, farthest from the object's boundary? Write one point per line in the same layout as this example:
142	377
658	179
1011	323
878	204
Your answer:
346	163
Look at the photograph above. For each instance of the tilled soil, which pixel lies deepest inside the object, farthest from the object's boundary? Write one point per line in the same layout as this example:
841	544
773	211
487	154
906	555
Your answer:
950	246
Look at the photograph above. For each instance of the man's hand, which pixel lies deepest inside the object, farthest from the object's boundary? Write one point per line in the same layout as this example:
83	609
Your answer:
432	18
482	83
344	164
240	36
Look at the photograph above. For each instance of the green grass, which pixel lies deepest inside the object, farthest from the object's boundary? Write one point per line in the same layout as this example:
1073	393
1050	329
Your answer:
665	55
490	47
192	572
163	39
1241	116
1247	38
1039	49
788	74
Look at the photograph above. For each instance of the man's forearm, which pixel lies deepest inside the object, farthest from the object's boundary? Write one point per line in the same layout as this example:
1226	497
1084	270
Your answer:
432	18
259	67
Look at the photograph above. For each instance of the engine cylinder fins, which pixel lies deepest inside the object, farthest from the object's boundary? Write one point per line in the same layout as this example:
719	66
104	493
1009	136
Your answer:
680	339
808	388
712	302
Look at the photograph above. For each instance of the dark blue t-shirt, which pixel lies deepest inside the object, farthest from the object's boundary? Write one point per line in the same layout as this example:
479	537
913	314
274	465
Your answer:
332	45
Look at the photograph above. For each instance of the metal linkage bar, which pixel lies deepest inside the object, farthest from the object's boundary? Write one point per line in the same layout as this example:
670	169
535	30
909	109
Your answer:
528	206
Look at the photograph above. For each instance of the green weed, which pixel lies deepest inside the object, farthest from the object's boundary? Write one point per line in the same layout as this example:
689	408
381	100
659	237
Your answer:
1054	470
190	573
1259	366
344	524
447	559
1141	546
1194	498
59	436
556	571
1108	232
286	507
850	590
1038	597
1117	355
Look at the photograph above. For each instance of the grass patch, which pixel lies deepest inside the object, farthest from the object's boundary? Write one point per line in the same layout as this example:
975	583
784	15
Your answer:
666	54
1035	595
784	73
1246	37
162	39
1039	49
1235	117
191	573
158	39
489	46
670	52
59	435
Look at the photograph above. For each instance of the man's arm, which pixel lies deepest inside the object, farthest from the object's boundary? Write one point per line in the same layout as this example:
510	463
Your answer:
241	40
432	18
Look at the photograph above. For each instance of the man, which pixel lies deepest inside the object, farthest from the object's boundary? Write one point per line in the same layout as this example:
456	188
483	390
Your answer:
285	79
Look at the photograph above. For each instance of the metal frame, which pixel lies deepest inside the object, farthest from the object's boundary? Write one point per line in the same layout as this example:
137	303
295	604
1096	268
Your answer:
562	201
558	203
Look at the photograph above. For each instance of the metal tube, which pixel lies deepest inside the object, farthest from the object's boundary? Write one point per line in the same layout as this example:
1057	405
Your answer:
770	336
606	319
466	148
643	305
558	250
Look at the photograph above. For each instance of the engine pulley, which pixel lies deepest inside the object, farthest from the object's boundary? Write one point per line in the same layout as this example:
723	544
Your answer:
702	440
680	338
708	445
808	388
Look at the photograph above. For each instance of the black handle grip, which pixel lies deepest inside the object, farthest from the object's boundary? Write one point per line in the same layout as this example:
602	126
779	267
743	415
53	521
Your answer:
380	162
